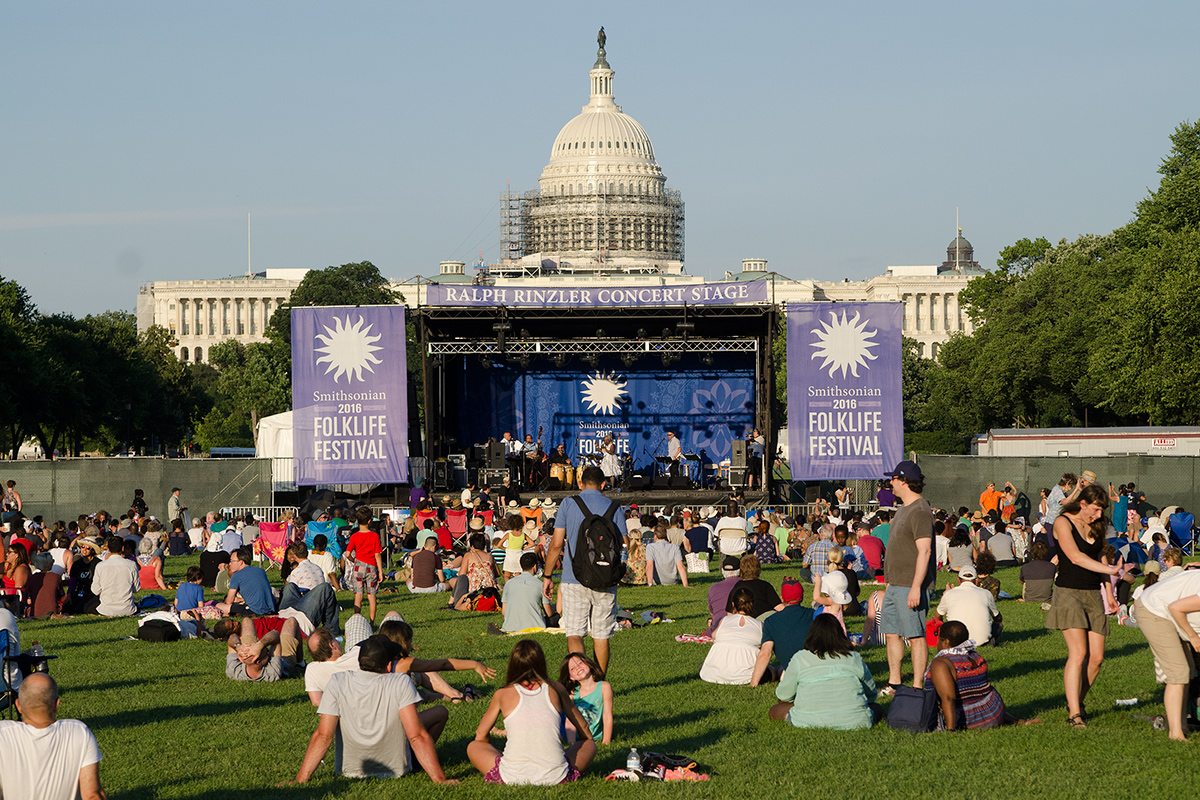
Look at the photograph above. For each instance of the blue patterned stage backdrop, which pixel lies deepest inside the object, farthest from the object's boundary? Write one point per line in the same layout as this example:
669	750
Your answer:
707	406
349	395
845	402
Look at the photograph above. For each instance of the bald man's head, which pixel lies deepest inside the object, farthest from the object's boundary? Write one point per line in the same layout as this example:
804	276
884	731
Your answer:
38	697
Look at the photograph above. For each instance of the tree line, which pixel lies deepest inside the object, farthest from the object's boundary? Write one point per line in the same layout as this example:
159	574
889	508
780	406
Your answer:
96	384
1099	331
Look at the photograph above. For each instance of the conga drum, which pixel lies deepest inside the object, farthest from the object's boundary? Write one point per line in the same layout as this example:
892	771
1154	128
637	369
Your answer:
559	471
569	477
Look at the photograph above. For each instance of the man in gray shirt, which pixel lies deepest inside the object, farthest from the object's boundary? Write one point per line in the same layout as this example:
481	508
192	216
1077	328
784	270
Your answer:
522	601
372	714
664	561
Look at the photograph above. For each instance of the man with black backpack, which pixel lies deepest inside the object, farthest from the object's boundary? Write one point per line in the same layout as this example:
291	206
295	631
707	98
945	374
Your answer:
589	531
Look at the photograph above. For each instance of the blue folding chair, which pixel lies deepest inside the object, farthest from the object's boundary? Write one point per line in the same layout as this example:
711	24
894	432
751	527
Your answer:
1181	525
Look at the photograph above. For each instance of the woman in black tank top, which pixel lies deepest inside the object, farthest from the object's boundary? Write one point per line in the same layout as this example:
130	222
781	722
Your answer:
1076	608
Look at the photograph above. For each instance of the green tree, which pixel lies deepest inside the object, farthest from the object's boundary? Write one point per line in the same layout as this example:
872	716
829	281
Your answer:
252	379
18	318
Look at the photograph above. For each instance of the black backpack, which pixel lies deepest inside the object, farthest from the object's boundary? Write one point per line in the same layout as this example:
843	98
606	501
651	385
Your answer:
597	558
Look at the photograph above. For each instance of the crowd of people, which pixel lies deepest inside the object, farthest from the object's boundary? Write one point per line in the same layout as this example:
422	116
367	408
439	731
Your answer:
502	556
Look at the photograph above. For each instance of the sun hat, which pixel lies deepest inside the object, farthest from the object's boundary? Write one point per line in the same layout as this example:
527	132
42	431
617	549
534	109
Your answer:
457	504
477	524
835	585
535	503
513	504
1152	566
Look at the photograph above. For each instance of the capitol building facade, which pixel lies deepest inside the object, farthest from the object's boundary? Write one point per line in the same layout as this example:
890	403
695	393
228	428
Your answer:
602	215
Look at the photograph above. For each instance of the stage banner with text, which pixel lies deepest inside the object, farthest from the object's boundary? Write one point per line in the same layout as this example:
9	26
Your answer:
696	294
349	395
844	395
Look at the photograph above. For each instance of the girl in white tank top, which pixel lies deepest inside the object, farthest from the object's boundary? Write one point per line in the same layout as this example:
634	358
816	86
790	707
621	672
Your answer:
533	708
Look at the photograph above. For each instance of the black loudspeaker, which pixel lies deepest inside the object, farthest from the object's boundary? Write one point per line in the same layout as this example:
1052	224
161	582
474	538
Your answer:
493	477
739	454
738	477
639	482
681	482
495	455
812	492
662	482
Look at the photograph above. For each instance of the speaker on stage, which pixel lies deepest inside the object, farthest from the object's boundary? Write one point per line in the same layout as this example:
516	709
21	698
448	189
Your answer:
739	453
639	482
680	482
662	482
495	455
739	477
811	492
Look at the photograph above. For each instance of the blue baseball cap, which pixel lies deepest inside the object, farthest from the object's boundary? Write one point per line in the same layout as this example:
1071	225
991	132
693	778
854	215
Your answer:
908	470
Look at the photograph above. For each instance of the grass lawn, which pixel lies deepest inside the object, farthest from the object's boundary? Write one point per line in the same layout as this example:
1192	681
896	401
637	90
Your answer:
171	725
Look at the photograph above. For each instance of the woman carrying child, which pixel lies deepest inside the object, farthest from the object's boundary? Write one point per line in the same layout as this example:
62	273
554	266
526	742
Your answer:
533	708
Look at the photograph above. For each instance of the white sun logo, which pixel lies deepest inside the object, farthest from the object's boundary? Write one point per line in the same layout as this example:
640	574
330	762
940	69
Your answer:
349	349
602	393
844	345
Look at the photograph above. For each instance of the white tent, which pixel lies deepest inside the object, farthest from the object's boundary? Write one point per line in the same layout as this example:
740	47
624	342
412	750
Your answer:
275	436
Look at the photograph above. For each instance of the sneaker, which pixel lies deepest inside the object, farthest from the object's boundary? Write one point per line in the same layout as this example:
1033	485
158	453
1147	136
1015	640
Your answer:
1045	606
888	690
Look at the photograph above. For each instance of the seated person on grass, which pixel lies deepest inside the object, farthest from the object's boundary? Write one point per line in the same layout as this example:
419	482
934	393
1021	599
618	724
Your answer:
324	560
533	708
190	593
269	657
959	675
827	684
764	595
972	606
736	642
428	576
523	603
1037	576
250	584
985	578
664	561
783	633
372	715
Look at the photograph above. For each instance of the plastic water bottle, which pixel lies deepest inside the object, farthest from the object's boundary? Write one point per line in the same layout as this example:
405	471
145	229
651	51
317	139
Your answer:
37	652
634	762
1133	701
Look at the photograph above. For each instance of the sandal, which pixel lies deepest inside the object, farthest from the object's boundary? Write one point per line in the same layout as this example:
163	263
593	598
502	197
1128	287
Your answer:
468	695
1076	721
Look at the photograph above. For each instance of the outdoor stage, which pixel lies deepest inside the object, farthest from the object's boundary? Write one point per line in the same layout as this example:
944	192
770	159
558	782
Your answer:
576	374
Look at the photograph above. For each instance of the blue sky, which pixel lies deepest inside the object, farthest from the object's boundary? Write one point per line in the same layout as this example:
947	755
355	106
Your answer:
831	139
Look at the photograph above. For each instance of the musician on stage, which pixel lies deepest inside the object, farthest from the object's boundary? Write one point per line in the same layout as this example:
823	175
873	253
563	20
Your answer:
512	456
559	456
757	448
532	452
610	465
674	452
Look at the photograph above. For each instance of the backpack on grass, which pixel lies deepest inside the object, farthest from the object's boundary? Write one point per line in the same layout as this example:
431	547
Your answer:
597	558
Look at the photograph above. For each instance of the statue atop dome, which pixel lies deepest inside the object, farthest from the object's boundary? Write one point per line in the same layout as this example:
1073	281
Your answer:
601	56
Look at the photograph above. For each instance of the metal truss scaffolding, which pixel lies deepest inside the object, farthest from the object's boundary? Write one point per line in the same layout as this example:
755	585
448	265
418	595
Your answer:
585	347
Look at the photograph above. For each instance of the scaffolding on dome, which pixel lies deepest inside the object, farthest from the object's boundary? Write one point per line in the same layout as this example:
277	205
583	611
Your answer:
599	232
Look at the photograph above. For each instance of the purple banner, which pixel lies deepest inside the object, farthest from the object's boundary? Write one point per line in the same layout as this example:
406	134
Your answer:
349	395
845	401
695	294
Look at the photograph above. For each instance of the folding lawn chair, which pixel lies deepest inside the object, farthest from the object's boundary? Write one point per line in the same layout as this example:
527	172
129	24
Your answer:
272	542
1181	525
456	522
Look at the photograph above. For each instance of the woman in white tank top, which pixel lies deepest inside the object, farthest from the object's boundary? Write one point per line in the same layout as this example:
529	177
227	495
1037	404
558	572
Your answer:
533	708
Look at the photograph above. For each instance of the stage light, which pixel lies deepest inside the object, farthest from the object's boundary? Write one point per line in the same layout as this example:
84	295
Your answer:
560	361
629	360
524	362
666	359
592	360
501	326
707	359
685	326
485	362
600	334
641	333
667	333
525	334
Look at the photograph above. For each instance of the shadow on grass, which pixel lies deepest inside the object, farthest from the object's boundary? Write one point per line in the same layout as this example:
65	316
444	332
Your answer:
331	787
143	716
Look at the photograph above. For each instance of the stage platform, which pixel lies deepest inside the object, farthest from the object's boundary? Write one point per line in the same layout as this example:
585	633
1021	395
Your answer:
661	498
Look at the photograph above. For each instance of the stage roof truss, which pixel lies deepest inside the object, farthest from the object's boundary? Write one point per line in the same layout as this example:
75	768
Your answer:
516	348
